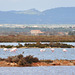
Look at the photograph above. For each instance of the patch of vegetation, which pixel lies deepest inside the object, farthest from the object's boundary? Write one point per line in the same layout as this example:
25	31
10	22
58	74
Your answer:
41	38
3	46
30	59
47	61
39	45
10	46
2	59
22	61
52	44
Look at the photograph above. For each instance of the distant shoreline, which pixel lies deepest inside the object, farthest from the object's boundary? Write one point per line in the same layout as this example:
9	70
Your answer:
37	38
35	47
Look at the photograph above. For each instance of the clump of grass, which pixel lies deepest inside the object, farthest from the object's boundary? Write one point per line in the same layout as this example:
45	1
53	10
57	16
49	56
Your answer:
22	61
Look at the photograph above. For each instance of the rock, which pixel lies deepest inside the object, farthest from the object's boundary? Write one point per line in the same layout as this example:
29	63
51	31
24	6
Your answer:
8	63
13	64
70	64
56	63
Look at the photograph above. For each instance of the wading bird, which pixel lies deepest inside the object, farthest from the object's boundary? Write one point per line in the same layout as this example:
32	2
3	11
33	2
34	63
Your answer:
5	49
64	50
52	49
13	50
42	50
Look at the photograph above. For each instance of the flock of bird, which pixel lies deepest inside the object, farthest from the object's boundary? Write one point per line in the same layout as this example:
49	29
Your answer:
11	50
41	50
52	49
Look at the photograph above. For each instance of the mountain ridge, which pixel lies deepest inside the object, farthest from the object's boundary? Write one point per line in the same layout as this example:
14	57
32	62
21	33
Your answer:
62	15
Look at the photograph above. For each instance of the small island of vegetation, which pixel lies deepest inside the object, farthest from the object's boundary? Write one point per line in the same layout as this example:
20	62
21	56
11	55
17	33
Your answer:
21	61
40	45
52	44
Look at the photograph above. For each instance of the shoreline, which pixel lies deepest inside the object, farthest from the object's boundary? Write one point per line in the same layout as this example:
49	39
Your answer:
40	45
30	61
37	47
40	63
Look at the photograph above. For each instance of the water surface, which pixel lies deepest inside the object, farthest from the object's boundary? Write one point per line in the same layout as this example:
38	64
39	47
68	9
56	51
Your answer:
52	70
48	54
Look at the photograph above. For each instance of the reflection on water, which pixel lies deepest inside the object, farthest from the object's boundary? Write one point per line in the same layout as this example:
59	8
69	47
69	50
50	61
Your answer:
52	70
47	54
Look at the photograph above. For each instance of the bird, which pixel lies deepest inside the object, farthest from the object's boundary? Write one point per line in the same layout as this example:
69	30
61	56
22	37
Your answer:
64	50
42	50
52	49
13	50
5	49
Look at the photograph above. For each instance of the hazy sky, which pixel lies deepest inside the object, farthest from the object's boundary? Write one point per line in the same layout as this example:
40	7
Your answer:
6	5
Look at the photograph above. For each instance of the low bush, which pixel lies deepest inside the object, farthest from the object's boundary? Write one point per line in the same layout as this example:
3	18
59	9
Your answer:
35	60
20	56
9	59
22	61
15	59
31	59
1	59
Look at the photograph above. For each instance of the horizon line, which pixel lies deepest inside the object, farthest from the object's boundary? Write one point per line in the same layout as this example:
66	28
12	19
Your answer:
37	9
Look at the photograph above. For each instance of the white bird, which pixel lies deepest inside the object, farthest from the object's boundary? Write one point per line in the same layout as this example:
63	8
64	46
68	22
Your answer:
5	49
52	49
42	50
13	50
64	50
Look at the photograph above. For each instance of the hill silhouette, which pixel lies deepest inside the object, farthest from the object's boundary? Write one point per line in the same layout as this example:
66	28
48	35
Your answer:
63	15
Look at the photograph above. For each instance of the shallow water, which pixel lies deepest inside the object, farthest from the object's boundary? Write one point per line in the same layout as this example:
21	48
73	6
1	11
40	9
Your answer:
48	54
43	70
52	70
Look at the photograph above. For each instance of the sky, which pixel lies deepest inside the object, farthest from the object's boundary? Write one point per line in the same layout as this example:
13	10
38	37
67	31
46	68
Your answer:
41	5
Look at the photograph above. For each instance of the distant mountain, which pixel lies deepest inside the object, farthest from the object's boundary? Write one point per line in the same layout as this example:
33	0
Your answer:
63	15
30	11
